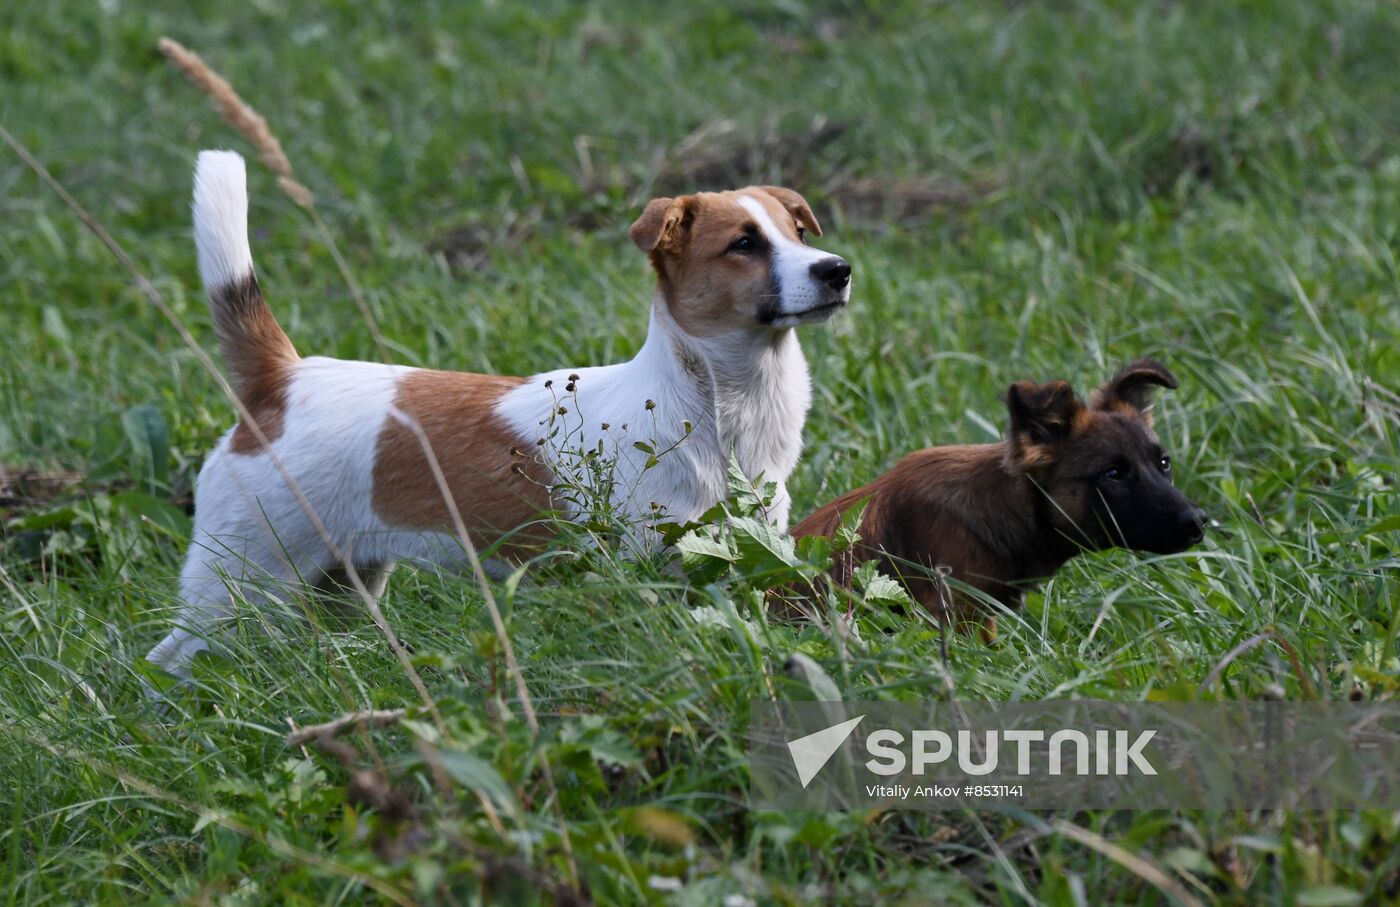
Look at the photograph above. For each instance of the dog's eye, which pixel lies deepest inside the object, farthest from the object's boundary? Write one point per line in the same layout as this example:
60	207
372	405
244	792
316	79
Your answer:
802	235
1165	463
1112	474
742	244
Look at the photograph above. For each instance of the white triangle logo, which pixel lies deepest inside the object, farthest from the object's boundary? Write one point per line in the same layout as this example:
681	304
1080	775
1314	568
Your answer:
812	752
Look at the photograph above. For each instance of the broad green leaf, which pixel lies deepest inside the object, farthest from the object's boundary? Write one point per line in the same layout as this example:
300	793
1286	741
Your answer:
749	496
763	548
57	518
1389	524
206	818
877	587
475	773
802	668
704	557
156	512
1328	896
847	532
149	438
605	744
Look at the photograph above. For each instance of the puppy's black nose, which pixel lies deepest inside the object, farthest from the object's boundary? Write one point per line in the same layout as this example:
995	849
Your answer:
1192	522
834	272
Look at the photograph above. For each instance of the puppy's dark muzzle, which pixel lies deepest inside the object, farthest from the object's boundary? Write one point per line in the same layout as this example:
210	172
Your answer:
835	272
1192	525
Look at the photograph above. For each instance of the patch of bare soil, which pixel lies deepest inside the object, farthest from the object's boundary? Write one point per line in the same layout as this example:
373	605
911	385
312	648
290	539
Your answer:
22	488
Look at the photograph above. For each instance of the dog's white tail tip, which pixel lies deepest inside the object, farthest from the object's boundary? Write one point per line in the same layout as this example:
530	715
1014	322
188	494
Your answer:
221	218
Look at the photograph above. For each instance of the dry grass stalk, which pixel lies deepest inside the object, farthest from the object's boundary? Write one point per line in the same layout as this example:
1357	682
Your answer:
253	127
365	718
236	112
1148	870
324	737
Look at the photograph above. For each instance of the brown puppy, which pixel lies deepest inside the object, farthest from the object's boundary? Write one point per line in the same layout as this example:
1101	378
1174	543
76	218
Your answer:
1069	477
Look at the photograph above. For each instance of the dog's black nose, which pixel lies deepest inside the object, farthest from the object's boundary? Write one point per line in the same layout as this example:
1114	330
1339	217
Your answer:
834	272
1192	522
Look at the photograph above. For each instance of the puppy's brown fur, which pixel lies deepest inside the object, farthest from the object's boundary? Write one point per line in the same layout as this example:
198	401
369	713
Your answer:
1069	477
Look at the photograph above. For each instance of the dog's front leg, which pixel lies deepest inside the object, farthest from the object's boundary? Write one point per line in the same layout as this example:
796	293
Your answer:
781	508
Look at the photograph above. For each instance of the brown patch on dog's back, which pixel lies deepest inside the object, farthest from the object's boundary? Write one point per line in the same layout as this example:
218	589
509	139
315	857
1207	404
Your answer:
259	357
495	477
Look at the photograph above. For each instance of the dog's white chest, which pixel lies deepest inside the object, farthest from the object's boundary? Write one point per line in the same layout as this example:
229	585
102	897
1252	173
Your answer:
653	436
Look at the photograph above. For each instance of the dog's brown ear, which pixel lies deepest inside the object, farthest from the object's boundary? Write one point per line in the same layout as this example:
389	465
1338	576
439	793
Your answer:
797	206
1042	415
658	224
1132	386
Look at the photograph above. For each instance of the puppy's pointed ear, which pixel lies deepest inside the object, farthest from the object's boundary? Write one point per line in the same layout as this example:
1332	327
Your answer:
797	206
658	223
1042	415
1132	387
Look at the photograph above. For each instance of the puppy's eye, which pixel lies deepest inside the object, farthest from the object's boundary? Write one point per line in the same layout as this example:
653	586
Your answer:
1165	463
802	235
742	244
1112	474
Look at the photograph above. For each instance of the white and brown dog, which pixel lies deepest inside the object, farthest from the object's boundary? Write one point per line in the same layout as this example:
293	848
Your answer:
720	372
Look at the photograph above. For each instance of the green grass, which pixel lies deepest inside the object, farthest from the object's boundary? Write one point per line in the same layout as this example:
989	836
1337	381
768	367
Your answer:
1217	185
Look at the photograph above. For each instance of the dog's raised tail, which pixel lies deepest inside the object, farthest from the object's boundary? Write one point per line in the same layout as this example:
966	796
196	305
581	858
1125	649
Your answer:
255	348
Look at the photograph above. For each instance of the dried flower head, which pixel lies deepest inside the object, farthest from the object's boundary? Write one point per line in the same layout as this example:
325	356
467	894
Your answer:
236	112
